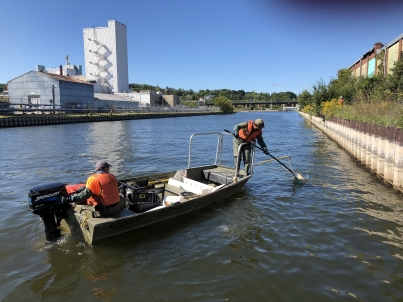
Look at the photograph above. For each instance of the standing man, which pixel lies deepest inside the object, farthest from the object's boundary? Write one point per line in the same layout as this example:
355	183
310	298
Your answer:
101	191
247	132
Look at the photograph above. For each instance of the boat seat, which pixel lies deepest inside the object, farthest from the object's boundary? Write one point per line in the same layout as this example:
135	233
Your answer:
220	177
190	185
172	189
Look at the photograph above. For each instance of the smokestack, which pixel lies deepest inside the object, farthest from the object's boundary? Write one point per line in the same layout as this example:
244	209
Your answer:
378	45
61	70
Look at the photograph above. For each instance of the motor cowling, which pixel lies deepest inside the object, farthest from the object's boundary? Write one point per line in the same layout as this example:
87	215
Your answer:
46	198
47	201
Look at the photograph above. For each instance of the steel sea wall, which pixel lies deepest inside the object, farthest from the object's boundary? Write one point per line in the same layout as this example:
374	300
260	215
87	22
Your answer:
377	147
49	119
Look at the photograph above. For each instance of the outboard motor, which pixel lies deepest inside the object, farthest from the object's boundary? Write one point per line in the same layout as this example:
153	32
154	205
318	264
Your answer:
47	202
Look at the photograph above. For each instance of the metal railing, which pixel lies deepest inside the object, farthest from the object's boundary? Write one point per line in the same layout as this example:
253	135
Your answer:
219	150
6	110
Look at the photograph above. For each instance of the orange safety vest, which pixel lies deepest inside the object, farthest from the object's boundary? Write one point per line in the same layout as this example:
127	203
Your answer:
249	134
109	193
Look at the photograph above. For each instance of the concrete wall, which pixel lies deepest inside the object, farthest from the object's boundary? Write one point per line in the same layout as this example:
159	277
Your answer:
379	148
172	100
105	53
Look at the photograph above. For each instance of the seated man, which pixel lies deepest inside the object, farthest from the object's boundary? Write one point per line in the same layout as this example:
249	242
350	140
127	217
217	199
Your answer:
101	191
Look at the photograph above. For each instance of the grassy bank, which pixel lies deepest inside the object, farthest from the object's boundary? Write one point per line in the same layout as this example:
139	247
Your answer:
377	99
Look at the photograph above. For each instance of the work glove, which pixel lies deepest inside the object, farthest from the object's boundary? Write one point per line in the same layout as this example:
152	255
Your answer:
236	134
265	150
66	200
80	189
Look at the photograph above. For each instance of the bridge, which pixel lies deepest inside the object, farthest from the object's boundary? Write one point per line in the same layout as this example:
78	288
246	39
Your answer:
252	103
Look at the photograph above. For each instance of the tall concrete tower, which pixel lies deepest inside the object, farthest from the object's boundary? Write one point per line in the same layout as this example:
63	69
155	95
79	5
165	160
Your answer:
105	54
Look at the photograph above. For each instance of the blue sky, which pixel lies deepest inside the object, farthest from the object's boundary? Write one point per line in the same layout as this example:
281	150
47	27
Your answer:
253	45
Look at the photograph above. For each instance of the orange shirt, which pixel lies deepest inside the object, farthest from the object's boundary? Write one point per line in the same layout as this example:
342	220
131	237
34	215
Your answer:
105	188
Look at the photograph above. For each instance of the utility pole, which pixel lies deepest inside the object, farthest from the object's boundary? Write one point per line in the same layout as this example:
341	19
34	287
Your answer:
53	98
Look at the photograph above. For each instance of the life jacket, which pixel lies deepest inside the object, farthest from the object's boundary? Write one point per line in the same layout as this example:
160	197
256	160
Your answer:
249	134
109	190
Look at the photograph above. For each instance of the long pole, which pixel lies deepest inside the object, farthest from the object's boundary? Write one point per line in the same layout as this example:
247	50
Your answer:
297	176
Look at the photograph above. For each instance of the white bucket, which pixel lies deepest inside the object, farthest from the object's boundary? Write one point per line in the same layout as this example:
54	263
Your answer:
170	200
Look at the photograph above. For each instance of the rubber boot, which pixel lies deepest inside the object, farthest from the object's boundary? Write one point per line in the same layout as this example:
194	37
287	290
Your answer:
246	169
236	164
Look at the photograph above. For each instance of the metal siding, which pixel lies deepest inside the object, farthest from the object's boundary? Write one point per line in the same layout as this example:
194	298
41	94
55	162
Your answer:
371	67
31	83
358	71
393	54
76	94
364	69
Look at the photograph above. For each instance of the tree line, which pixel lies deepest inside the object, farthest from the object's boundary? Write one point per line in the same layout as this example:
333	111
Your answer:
232	95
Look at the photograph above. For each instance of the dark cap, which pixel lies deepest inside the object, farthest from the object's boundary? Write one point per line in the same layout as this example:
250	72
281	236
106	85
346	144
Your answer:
260	123
101	164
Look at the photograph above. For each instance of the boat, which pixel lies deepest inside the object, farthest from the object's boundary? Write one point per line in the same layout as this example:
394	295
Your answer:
147	199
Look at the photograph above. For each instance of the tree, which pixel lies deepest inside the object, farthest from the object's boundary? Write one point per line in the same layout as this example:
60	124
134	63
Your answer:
320	94
304	98
224	104
395	79
344	85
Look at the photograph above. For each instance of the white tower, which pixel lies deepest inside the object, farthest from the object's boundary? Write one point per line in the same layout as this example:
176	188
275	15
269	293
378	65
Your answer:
105	54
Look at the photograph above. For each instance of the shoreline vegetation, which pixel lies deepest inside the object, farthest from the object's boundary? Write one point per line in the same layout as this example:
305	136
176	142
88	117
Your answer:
225	99
376	100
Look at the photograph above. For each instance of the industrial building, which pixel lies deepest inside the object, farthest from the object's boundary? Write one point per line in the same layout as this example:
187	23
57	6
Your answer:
378	60
105	84
41	91
150	98
113	101
105	55
67	70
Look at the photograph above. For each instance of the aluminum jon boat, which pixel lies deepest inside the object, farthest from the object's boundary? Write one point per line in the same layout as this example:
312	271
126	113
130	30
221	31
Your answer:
145	199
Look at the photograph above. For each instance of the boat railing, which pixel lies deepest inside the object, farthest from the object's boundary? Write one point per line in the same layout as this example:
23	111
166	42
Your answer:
219	149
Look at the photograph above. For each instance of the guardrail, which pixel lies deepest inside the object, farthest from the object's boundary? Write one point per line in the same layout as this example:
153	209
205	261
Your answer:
13	111
21	120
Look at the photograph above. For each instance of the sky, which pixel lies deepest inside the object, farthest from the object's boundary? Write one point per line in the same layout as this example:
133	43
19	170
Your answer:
252	45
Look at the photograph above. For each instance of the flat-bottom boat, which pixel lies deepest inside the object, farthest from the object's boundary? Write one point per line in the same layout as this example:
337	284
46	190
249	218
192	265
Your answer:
146	199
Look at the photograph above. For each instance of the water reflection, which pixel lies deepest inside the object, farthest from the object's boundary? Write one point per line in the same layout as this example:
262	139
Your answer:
338	237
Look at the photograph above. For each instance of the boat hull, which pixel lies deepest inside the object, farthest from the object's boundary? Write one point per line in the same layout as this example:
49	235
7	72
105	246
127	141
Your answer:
82	225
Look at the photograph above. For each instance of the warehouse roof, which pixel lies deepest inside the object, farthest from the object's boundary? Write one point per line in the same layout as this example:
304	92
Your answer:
63	78
56	77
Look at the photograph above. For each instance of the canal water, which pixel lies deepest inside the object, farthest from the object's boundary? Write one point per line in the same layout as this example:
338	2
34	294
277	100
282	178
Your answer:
338	238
